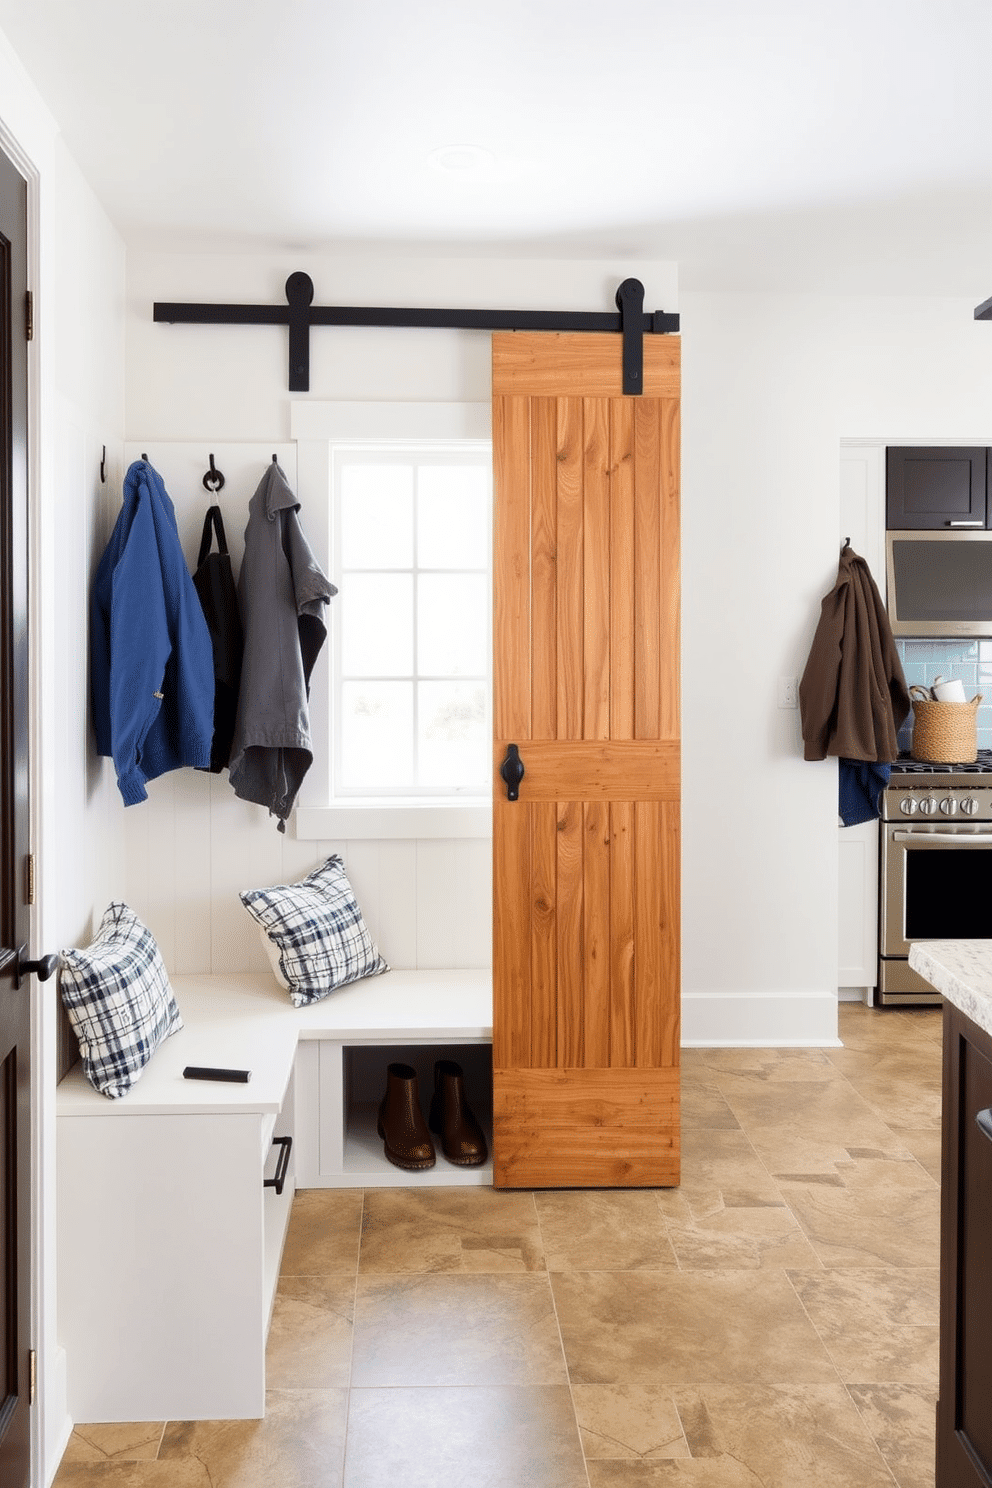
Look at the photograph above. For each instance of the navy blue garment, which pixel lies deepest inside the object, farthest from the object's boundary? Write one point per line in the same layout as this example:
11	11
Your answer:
861	783
151	657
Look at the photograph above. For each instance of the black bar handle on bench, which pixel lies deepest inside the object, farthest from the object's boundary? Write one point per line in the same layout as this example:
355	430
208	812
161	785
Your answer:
282	1166
984	1123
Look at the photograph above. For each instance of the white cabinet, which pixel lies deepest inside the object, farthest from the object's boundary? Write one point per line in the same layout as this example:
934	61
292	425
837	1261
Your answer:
409	1017
857	963
168	1243
343	1082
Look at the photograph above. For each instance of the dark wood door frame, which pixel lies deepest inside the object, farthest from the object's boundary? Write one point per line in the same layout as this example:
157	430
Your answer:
16	1255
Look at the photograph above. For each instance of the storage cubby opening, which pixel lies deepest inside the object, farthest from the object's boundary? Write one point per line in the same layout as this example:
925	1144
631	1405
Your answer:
364	1085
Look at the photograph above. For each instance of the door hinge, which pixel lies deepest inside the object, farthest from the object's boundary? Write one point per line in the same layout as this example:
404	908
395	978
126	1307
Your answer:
29	315
32	1376
29	879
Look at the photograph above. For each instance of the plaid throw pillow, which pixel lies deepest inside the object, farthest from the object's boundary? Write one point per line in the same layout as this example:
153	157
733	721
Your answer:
119	1001
318	931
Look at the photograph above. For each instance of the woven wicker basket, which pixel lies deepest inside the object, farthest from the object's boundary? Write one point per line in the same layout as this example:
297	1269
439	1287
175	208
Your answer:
944	733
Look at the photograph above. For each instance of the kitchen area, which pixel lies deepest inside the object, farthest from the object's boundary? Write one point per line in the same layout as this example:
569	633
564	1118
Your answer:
916	885
922	516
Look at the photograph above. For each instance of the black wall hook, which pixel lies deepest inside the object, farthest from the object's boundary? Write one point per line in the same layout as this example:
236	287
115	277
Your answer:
103	466
213	480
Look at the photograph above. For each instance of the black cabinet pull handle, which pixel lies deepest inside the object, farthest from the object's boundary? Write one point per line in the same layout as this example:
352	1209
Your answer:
984	1123
282	1166
512	771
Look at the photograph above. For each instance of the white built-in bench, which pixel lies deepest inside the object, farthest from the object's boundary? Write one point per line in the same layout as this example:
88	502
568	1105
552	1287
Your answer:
169	1245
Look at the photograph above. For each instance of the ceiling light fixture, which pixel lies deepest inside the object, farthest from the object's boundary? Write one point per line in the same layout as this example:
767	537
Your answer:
462	160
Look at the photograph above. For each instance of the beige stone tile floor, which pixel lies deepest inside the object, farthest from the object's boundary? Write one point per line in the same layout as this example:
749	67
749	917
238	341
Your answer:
773	1321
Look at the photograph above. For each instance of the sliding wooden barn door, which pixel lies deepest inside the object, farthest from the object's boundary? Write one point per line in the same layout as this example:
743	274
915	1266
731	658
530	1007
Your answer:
586	977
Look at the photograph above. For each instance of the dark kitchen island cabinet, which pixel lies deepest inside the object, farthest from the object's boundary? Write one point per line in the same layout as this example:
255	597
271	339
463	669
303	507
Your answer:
962	972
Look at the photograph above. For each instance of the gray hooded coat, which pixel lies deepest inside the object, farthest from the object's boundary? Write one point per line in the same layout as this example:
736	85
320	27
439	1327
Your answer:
283	595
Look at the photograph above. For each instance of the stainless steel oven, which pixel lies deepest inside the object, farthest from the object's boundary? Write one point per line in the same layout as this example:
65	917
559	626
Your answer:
936	866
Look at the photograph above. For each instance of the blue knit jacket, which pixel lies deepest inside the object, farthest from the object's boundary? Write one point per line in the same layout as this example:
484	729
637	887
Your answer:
151	658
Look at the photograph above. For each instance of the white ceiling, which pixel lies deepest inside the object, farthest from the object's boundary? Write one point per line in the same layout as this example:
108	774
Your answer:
826	144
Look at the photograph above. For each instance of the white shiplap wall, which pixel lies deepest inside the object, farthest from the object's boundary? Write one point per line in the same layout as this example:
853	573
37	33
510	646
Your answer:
193	844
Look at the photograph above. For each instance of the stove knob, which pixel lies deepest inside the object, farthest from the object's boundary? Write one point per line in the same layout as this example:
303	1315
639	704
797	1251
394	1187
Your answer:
948	805
969	805
908	805
928	806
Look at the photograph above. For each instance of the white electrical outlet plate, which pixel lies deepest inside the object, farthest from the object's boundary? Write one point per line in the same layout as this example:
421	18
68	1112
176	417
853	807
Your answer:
788	692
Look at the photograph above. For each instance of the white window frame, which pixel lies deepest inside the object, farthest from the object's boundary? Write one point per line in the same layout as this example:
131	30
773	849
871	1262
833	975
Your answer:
319	429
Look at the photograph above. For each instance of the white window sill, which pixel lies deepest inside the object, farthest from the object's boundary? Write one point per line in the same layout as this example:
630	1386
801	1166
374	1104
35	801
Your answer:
396	819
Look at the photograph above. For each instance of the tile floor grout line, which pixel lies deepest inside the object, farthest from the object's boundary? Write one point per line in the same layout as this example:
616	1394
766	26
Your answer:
561	1337
354	1328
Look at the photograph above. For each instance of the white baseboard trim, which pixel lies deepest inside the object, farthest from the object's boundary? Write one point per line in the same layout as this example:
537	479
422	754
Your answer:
760	1020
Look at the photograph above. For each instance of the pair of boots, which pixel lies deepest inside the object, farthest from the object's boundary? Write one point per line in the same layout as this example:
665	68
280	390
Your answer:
407	1141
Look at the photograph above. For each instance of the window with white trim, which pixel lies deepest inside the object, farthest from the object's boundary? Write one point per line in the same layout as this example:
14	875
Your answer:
411	663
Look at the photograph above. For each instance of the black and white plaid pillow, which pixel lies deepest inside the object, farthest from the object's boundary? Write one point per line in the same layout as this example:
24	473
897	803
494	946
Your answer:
318	930
119	1000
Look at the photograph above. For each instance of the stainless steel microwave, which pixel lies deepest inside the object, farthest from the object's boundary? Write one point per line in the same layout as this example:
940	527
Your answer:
939	583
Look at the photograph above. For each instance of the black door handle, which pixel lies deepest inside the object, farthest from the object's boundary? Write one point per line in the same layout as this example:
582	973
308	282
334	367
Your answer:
43	968
512	771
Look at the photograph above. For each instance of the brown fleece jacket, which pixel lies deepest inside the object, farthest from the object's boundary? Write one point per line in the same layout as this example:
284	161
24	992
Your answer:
853	696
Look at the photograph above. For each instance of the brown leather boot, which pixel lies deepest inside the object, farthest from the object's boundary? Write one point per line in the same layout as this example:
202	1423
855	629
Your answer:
407	1142
462	1141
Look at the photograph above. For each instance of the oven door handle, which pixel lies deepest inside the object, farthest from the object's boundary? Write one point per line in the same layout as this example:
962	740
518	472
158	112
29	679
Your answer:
959	839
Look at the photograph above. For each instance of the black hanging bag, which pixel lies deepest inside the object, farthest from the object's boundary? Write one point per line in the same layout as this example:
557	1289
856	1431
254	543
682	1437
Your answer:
214	583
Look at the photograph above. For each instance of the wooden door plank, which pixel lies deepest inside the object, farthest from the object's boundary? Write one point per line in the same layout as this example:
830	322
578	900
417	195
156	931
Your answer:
596	940
622	938
669	650
646	769
656	920
596	563
621	460
544	566
543	933
569	570
669	1008
511	577
587	1127
539	364
571	961
647	572
648	859
511	950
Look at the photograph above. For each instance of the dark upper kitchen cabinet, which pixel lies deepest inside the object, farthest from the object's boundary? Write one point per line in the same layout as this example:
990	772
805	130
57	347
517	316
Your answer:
964	1419
935	487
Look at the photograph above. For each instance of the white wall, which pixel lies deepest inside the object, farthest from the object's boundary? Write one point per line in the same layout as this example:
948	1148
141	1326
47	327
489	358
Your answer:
76	268
194	844
771	384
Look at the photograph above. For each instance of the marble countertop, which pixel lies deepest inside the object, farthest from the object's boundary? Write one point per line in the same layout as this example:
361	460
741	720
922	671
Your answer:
961	971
